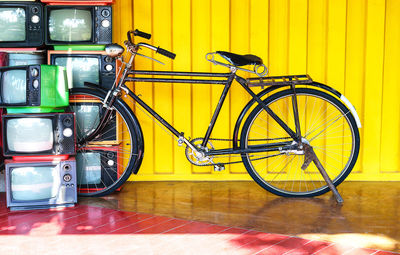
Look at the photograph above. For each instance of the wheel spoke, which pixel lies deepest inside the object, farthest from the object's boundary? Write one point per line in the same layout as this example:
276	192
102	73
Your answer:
105	162
329	131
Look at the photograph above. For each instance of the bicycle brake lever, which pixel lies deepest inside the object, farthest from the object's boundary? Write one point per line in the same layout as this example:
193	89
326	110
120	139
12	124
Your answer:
150	58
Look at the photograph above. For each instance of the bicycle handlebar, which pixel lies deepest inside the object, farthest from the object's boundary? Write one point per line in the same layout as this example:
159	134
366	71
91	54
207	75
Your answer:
158	50
141	34
166	53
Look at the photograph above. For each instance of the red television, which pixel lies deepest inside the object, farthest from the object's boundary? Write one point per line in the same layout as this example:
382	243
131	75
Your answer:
24	56
97	167
78	2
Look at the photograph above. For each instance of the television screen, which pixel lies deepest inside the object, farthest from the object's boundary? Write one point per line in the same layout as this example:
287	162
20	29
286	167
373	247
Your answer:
80	69
87	118
88	167
70	25
12	24
87	114
34	183
14	87
30	134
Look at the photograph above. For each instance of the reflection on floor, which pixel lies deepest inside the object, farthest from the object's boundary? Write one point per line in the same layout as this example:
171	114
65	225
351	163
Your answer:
209	218
368	218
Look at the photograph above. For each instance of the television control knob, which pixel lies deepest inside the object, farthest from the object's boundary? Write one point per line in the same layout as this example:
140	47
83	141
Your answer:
35	19
108	59
105	23
109	68
34	72
67	122
67	132
67	167
67	177
105	13
110	162
35	84
35	10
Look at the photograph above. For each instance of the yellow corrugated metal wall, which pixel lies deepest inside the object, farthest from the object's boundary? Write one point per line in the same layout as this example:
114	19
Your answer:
350	45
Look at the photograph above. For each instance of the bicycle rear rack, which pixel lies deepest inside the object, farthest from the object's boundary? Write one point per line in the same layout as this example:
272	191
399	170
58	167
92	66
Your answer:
279	80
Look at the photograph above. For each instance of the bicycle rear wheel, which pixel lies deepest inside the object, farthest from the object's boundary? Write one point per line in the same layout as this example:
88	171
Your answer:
326	124
106	162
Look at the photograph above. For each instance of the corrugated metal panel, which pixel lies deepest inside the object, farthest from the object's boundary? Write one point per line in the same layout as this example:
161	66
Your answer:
350	45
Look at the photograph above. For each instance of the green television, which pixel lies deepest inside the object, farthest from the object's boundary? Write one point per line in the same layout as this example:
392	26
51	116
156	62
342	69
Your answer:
33	89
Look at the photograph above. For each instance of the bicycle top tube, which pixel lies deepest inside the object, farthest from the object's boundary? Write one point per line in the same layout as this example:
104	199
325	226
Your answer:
223	77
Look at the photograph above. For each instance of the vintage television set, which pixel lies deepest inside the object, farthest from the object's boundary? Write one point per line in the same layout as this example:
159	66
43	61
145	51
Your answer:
21	24
78	2
40	184
85	66
78	24
25	56
97	167
33	88
87	113
38	134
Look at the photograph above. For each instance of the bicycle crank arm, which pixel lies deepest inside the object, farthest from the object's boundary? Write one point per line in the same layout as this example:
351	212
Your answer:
310	156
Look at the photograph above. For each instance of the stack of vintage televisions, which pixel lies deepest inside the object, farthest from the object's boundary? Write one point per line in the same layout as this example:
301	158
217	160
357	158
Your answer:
42	166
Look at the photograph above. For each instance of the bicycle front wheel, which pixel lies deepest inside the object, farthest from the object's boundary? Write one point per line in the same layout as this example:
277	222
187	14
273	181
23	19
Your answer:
325	123
106	162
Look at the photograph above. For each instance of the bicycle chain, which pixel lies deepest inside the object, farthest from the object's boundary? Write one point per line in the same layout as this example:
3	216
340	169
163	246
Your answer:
231	140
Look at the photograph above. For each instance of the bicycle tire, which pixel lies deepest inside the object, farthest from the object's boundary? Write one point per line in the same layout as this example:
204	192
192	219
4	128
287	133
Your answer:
106	162
280	172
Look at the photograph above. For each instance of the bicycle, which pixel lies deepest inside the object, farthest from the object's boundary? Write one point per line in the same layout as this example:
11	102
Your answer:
275	135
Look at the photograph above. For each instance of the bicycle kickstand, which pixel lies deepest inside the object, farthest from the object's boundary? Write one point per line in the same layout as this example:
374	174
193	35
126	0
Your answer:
310	156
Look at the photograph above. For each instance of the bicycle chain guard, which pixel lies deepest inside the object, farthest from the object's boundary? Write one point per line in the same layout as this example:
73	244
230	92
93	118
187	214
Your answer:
199	159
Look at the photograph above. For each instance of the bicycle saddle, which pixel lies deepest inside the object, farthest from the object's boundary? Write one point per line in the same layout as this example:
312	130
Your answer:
240	60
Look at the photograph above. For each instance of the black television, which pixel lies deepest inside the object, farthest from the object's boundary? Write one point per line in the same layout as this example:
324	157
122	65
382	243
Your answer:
40	184
87	113
97	167
39	134
85	66
78	24
21	24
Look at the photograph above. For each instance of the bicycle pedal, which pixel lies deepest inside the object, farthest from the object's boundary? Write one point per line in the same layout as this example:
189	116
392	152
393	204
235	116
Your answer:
219	167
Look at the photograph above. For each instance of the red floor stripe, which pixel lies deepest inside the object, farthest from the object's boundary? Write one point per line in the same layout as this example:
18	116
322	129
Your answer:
90	228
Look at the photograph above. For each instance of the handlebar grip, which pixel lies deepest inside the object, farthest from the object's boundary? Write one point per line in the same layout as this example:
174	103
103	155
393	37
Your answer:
141	34
129	36
166	53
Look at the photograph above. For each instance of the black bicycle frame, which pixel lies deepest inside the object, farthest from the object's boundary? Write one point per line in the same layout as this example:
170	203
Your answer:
226	79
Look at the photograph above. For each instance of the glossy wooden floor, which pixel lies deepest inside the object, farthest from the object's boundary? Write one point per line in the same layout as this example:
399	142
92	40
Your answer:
369	216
